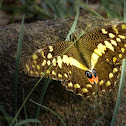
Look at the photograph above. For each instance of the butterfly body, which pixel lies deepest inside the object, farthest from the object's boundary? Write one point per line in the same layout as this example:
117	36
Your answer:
94	60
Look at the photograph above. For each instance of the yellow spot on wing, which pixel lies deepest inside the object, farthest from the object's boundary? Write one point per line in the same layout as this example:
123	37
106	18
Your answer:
42	73
27	67
123	50
48	62
114	59
43	55
70	72
123	26
36	72
48	71
101	82
38	67
77	86
31	72
70	84
50	48
34	56
88	85
98	52
49	56
115	83
34	61
118	39
120	55
101	47
107	60
39	50
122	36
88	96
65	59
111	35
113	42
109	45
53	73
59	61
111	75
33	66
94	93
108	83
44	63
79	94
94	59
115	70
84	90
54	62
65	75
104	31
115	29
59	75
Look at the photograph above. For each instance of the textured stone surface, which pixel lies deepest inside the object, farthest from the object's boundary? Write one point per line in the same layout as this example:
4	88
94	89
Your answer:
74	110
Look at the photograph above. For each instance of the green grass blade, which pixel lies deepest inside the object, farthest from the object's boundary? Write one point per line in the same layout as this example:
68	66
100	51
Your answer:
118	5
85	6
27	121
122	79
7	117
1	2
99	119
50	111
17	65
25	113
41	11
72	29
125	11
44	88
121	85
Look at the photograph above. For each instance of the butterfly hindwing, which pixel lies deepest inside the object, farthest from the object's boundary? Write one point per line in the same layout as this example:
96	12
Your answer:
107	49
79	83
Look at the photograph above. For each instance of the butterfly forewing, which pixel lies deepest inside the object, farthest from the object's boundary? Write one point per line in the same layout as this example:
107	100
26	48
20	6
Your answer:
62	68
101	50
42	59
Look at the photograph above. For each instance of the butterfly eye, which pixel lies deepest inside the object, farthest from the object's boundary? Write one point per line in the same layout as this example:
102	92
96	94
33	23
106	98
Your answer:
94	73
88	74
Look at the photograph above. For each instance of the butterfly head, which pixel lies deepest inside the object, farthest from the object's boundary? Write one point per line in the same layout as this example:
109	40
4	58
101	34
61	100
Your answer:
92	76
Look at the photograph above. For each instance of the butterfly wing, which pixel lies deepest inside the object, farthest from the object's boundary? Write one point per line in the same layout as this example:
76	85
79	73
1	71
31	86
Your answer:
68	68
105	49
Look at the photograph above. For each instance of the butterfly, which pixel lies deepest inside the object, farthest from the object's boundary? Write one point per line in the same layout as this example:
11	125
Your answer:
94	60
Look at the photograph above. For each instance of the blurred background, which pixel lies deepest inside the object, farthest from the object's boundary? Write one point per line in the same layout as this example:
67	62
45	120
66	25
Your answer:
11	11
